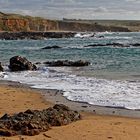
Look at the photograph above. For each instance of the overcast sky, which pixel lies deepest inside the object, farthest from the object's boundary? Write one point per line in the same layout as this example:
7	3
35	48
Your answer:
78	9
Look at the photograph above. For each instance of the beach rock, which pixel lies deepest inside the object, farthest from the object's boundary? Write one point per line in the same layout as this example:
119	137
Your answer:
1	68
7	133
18	63
59	63
61	115
32	122
51	47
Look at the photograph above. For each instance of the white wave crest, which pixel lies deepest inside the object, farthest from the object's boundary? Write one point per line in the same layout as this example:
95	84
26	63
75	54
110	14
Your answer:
84	35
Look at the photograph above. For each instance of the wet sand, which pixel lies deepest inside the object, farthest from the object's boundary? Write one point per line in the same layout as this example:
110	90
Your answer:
97	122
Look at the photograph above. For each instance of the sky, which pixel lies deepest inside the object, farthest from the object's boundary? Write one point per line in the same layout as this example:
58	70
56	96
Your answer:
74	9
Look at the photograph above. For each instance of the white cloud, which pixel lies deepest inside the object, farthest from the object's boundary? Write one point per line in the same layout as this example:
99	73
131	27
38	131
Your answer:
111	9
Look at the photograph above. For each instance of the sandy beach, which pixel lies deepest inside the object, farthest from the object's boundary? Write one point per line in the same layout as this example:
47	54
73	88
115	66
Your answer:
92	126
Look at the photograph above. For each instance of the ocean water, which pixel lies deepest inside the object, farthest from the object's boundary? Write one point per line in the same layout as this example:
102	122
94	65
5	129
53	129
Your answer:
112	79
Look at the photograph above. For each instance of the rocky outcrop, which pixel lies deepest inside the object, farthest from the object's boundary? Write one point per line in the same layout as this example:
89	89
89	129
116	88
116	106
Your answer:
34	35
32	122
1	68
51	47
18	63
110	44
59	63
114	45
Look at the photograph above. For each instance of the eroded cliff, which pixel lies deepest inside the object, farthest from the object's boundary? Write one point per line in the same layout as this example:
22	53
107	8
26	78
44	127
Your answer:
15	22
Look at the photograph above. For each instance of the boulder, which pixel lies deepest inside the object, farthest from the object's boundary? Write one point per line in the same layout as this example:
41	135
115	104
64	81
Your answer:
18	63
59	63
1	68
32	122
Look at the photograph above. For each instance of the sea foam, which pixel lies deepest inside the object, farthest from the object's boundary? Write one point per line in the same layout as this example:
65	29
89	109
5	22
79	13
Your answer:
102	92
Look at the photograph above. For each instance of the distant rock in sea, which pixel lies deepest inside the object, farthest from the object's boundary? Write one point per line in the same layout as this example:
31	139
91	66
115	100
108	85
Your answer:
51	47
68	63
110	44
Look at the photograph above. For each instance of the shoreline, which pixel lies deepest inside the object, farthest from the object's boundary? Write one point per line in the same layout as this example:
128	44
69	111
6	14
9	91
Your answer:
56	97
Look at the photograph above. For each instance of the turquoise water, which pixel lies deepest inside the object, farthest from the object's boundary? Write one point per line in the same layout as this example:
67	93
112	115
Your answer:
112	79
107	62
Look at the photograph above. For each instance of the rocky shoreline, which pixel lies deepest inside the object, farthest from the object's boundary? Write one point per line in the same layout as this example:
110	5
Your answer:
19	63
34	35
32	122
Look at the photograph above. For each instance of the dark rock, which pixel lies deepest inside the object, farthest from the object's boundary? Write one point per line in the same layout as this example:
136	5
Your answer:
32	122
136	44
108	44
35	35
61	115
61	106
59	63
51	47
95	45
18	63
80	63
1	68
5	116
30	132
84	106
101	36
117	45
37	63
7	133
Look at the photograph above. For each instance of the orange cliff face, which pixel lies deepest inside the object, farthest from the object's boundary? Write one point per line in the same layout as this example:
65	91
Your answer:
14	25
26	25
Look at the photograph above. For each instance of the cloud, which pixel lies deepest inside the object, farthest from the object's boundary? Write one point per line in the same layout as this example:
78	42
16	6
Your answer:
101	9
89	9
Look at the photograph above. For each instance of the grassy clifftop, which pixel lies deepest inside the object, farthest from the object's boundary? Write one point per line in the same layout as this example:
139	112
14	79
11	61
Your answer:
16	22
132	25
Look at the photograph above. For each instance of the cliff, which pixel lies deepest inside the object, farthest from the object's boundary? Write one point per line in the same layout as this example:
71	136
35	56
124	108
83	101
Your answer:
15	22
